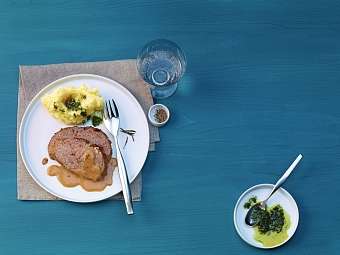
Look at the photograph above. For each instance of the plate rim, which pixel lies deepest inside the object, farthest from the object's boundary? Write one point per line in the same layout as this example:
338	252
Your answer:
35	98
238	202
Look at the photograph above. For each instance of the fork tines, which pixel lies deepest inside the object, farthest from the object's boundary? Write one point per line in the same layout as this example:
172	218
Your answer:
111	109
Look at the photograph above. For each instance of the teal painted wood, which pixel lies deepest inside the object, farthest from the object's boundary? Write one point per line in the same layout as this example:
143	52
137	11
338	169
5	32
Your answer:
262	85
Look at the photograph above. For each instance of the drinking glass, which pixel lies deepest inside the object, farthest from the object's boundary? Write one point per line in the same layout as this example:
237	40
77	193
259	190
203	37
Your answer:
161	63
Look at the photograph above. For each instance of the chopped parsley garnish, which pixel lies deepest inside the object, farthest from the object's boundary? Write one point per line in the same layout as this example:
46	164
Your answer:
83	113
97	118
72	104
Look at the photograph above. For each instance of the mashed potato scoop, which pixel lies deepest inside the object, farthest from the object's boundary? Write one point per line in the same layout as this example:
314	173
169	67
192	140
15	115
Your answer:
73	105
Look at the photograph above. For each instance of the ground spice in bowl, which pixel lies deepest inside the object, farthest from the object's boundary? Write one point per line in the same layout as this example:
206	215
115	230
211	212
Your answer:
160	115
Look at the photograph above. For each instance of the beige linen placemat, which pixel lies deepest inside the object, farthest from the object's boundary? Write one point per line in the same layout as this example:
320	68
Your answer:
33	78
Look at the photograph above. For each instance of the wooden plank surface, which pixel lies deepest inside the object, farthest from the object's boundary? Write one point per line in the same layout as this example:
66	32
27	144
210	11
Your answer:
262	85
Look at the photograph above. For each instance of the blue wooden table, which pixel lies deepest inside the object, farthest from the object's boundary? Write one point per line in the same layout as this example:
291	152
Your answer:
262	85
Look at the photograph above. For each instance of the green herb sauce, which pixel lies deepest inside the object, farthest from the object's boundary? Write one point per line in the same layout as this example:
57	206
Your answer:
252	201
272	223
273	237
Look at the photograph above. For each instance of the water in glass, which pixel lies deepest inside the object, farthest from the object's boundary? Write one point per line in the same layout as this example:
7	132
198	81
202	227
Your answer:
161	63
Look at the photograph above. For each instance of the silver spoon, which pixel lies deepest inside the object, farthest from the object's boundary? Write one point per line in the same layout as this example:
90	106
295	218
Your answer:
262	205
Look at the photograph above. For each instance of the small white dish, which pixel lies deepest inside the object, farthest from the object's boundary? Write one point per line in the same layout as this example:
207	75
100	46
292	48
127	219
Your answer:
152	112
281	197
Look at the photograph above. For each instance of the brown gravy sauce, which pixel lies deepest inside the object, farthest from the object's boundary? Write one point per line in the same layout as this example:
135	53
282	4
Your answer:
70	179
90	169
44	161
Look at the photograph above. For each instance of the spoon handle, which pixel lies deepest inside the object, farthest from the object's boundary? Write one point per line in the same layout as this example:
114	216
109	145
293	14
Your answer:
284	176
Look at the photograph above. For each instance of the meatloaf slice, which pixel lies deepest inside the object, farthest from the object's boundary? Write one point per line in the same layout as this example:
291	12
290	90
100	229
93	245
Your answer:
93	136
80	157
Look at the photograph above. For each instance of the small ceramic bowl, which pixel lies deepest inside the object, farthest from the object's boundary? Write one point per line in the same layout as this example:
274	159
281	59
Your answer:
152	112
261	191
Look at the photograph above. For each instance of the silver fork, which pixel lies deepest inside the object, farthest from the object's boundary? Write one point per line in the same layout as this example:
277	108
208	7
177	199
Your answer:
111	121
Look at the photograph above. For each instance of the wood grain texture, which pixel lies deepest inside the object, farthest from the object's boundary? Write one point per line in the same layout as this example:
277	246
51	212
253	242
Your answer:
262	85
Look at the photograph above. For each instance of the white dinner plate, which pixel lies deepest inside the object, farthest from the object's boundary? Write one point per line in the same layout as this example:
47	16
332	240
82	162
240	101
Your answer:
261	191
38	126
